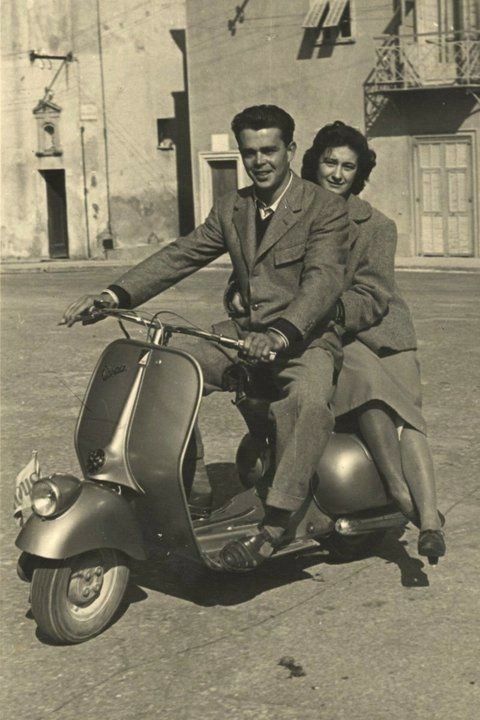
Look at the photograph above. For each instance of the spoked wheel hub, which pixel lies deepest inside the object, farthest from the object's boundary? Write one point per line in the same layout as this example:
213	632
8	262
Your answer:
85	585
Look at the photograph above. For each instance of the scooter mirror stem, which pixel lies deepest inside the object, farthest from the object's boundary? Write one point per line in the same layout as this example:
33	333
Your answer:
158	337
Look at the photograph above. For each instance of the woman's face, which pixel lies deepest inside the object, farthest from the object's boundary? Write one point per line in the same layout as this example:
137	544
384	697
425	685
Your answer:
337	168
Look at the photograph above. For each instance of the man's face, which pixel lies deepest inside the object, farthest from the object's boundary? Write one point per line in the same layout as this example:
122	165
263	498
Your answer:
266	159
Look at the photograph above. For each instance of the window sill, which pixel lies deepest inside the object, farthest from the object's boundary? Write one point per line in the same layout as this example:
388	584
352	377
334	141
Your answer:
49	153
343	41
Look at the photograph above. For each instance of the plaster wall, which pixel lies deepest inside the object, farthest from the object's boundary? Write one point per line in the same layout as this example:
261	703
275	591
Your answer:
272	59
142	67
44	26
442	113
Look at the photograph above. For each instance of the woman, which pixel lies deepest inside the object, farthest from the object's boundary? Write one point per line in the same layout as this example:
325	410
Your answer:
380	378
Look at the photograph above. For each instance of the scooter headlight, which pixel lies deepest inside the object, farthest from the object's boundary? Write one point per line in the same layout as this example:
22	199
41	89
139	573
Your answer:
44	498
53	495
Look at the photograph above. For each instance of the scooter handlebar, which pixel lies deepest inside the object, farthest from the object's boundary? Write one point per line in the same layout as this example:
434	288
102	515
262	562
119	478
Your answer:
97	312
222	340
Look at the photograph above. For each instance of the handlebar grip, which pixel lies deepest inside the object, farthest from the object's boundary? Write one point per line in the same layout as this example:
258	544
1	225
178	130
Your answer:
100	305
272	356
93	314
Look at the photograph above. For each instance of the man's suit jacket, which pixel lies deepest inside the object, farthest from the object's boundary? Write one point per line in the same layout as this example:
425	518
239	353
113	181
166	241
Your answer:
296	273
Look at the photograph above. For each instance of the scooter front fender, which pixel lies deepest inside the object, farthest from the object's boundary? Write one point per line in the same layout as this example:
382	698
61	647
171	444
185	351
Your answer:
99	518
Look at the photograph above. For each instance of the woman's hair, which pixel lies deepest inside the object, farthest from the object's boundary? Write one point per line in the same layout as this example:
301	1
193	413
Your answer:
337	135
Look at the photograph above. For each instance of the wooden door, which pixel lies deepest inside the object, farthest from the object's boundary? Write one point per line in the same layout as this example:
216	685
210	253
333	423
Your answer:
57	213
444	196
224	177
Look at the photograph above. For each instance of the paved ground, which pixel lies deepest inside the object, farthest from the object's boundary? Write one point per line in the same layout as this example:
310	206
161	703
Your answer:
384	637
129	256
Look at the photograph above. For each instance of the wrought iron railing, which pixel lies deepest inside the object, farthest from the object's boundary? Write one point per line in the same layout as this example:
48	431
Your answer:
425	60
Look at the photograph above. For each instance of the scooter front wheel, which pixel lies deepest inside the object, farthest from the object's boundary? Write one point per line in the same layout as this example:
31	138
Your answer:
74	600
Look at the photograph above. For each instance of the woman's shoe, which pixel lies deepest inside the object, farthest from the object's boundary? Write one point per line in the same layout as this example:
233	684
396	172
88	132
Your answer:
431	544
415	518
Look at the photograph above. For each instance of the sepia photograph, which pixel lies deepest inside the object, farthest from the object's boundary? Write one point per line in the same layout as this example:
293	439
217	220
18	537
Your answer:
240	359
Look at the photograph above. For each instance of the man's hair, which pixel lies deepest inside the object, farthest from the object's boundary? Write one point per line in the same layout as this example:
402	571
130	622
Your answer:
258	117
337	135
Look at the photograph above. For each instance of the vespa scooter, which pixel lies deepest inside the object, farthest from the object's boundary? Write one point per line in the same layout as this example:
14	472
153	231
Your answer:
132	440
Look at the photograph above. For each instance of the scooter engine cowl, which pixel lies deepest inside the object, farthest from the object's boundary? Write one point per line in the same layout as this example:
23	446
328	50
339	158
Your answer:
348	481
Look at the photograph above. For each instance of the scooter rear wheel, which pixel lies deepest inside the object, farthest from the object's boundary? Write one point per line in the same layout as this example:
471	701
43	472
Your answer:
74	600
352	547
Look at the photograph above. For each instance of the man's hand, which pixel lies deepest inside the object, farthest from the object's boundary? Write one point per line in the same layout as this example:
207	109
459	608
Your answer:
237	306
78	310
259	346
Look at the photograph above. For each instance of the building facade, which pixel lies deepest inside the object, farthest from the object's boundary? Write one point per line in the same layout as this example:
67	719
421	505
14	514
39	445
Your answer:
407	73
110	146
94	126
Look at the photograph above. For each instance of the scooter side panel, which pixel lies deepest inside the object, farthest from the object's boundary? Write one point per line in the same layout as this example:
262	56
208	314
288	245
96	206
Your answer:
161	427
348	481
106	413
99	518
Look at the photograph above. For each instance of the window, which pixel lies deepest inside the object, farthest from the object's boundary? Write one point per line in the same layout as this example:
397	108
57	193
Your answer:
166	133
332	19
48	140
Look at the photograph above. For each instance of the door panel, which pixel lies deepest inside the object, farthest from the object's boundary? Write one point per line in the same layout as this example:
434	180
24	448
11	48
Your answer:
57	213
443	172
224	177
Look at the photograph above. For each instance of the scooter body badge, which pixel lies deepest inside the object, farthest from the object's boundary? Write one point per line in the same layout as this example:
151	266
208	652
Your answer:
144	357
109	371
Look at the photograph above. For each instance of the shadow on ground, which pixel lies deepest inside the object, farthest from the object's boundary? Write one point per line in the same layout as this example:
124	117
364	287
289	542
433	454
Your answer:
177	577
207	588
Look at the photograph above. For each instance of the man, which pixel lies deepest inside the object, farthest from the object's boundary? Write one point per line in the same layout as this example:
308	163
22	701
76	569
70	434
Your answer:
288	243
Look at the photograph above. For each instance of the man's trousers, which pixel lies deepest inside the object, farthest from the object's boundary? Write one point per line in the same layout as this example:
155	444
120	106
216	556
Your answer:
302	416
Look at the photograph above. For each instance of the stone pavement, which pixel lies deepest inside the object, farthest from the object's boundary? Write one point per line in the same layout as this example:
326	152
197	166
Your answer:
427	264
382	638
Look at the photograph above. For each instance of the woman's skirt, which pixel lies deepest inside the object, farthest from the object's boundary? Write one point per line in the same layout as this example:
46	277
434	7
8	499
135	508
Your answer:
393	379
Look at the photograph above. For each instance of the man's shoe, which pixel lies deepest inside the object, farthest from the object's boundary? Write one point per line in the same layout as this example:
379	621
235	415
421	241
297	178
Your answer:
431	544
200	505
248	552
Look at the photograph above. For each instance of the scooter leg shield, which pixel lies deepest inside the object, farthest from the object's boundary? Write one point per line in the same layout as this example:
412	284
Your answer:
99	518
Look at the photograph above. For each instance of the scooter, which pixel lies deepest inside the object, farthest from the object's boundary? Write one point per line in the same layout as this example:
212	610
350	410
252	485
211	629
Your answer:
133	440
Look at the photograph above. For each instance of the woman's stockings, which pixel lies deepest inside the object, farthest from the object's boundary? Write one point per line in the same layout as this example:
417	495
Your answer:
420	476
405	464
380	434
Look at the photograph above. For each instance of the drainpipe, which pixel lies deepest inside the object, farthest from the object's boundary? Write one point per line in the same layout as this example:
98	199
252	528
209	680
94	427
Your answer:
106	236
85	190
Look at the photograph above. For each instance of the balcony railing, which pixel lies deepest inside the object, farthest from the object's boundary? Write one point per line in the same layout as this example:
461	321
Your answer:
426	60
